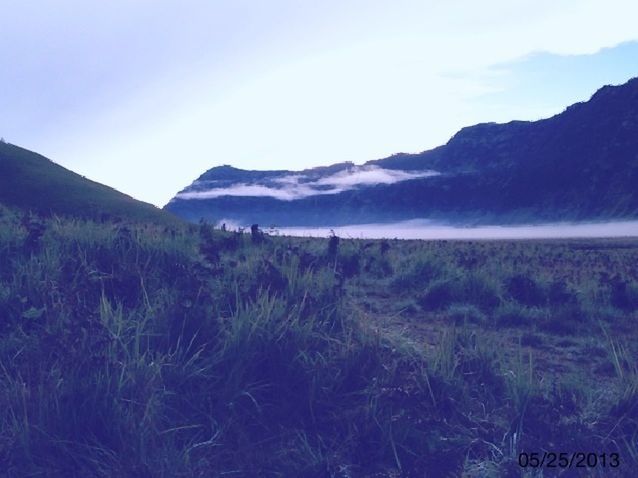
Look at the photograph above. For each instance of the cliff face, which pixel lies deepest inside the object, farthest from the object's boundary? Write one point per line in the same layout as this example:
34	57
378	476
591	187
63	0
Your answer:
581	164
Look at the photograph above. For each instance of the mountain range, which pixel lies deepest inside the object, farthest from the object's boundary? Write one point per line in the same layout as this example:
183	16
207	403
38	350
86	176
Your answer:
579	165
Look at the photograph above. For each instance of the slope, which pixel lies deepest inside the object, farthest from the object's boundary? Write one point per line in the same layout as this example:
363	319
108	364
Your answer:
30	181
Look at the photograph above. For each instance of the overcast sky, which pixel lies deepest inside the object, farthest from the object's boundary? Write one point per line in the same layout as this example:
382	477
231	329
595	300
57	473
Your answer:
145	95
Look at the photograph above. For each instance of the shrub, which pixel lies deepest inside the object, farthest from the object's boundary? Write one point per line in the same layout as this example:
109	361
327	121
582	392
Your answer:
532	340
378	266
441	293
632	295
473	288
512	314
349	263
481	290
559	294
462	313
525	290
418	274
624	295
564	320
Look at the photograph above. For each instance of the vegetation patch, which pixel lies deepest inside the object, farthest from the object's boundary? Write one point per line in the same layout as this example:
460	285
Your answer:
138	349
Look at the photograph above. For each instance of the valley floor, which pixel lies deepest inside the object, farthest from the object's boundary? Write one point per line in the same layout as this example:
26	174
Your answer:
143	350
555	349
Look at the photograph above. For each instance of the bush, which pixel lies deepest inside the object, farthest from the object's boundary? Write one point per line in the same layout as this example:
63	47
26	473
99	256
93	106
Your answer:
512	314
462	313
525	290
441	293
378	266
418	274
624	295
564	320
532	340
474	288
349	263
559	294
482	291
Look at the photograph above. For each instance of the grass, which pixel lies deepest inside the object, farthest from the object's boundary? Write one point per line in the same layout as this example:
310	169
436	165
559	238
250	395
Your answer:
136	349
31	181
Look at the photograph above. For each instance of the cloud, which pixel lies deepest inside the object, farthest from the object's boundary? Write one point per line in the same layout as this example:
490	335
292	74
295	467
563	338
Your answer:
573	78
243	189
297	186
369	175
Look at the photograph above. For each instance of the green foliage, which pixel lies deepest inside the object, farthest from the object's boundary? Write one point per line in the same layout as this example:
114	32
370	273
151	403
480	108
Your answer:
512	314
463	313
131	351
565	319
624	294
32	182
471	288
139	350
417	274
526	291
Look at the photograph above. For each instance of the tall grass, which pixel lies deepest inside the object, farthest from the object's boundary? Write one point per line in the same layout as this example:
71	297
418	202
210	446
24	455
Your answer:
135	350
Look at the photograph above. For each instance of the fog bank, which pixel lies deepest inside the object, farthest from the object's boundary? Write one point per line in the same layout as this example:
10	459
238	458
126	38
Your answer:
424	229
290	187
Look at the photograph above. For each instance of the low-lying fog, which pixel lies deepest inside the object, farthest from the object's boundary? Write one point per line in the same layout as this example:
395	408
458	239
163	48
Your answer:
292	186
424	229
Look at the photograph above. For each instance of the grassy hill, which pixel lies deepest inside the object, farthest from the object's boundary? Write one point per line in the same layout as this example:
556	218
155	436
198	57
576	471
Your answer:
30	181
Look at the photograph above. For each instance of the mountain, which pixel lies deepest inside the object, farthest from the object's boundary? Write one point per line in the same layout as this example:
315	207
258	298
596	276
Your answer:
32	182
581	164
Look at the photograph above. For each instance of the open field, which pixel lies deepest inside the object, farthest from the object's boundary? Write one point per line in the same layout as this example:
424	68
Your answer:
138	350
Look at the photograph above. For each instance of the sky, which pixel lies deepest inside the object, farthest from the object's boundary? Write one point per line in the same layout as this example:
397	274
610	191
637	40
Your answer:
146	95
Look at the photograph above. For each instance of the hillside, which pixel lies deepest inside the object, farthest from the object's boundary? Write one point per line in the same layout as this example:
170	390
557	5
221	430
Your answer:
30	181
581	164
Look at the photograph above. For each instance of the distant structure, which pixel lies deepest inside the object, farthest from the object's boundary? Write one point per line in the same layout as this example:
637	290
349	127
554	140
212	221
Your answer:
256	235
